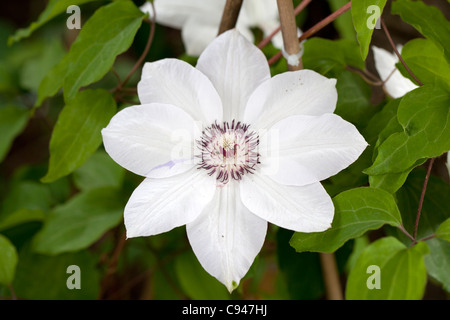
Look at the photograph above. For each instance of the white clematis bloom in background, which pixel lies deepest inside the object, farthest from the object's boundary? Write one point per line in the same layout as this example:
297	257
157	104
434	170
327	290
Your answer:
396	85
225	148
199	20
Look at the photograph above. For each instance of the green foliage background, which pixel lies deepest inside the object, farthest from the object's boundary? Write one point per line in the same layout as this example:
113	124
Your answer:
62	197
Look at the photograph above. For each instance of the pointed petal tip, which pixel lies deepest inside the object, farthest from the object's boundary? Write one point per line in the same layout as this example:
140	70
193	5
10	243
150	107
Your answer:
232	286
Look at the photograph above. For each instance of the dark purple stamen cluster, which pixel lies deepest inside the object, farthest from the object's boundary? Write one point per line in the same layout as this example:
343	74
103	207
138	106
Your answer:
229	151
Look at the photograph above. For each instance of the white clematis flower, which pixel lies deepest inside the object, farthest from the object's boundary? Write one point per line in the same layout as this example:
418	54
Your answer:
396	85
199	20
225	148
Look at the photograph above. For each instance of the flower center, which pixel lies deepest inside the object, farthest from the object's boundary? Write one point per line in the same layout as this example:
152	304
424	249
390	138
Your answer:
229	151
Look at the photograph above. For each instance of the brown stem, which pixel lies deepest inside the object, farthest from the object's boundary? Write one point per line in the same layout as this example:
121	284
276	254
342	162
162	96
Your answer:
315	28
144	54
230	15
331	276
112	265
297	10
388	35
289	30
366	76
402	229
422	196
141	59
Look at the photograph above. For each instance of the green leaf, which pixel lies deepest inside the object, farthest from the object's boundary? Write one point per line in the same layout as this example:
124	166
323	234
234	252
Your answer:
391	182
12	121
41	277
108	33
98	171
26	195
20	216
402	274
435	204
364	15
425	117
77	135
353	99
196	282
438	261
356	212
53	9
34	69
8	261
427	62
443	231
81	221
323	55
428	20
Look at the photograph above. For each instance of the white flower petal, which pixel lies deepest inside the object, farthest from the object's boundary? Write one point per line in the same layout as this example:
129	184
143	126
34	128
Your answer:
197	34
235	67
302	92
159	205
300	208
300	150
396	85
226	237
176	82
175	13
154	140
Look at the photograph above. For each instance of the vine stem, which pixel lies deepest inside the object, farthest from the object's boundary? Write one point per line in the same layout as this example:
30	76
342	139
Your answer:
230	15
388	35
331	276
422	196
289	31
141	59
297	10
314	29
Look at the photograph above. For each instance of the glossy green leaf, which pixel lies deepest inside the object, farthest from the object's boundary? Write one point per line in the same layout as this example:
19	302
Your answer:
427	61
356	212
26	195
399	271
196	282
435	204
12	121
425	117
438	261
8	261
108	33
98	171
42	277
353	99
428	20
391	182
81	221
443	231
365	14
20	216
77	135
53	9
35	69
323	55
